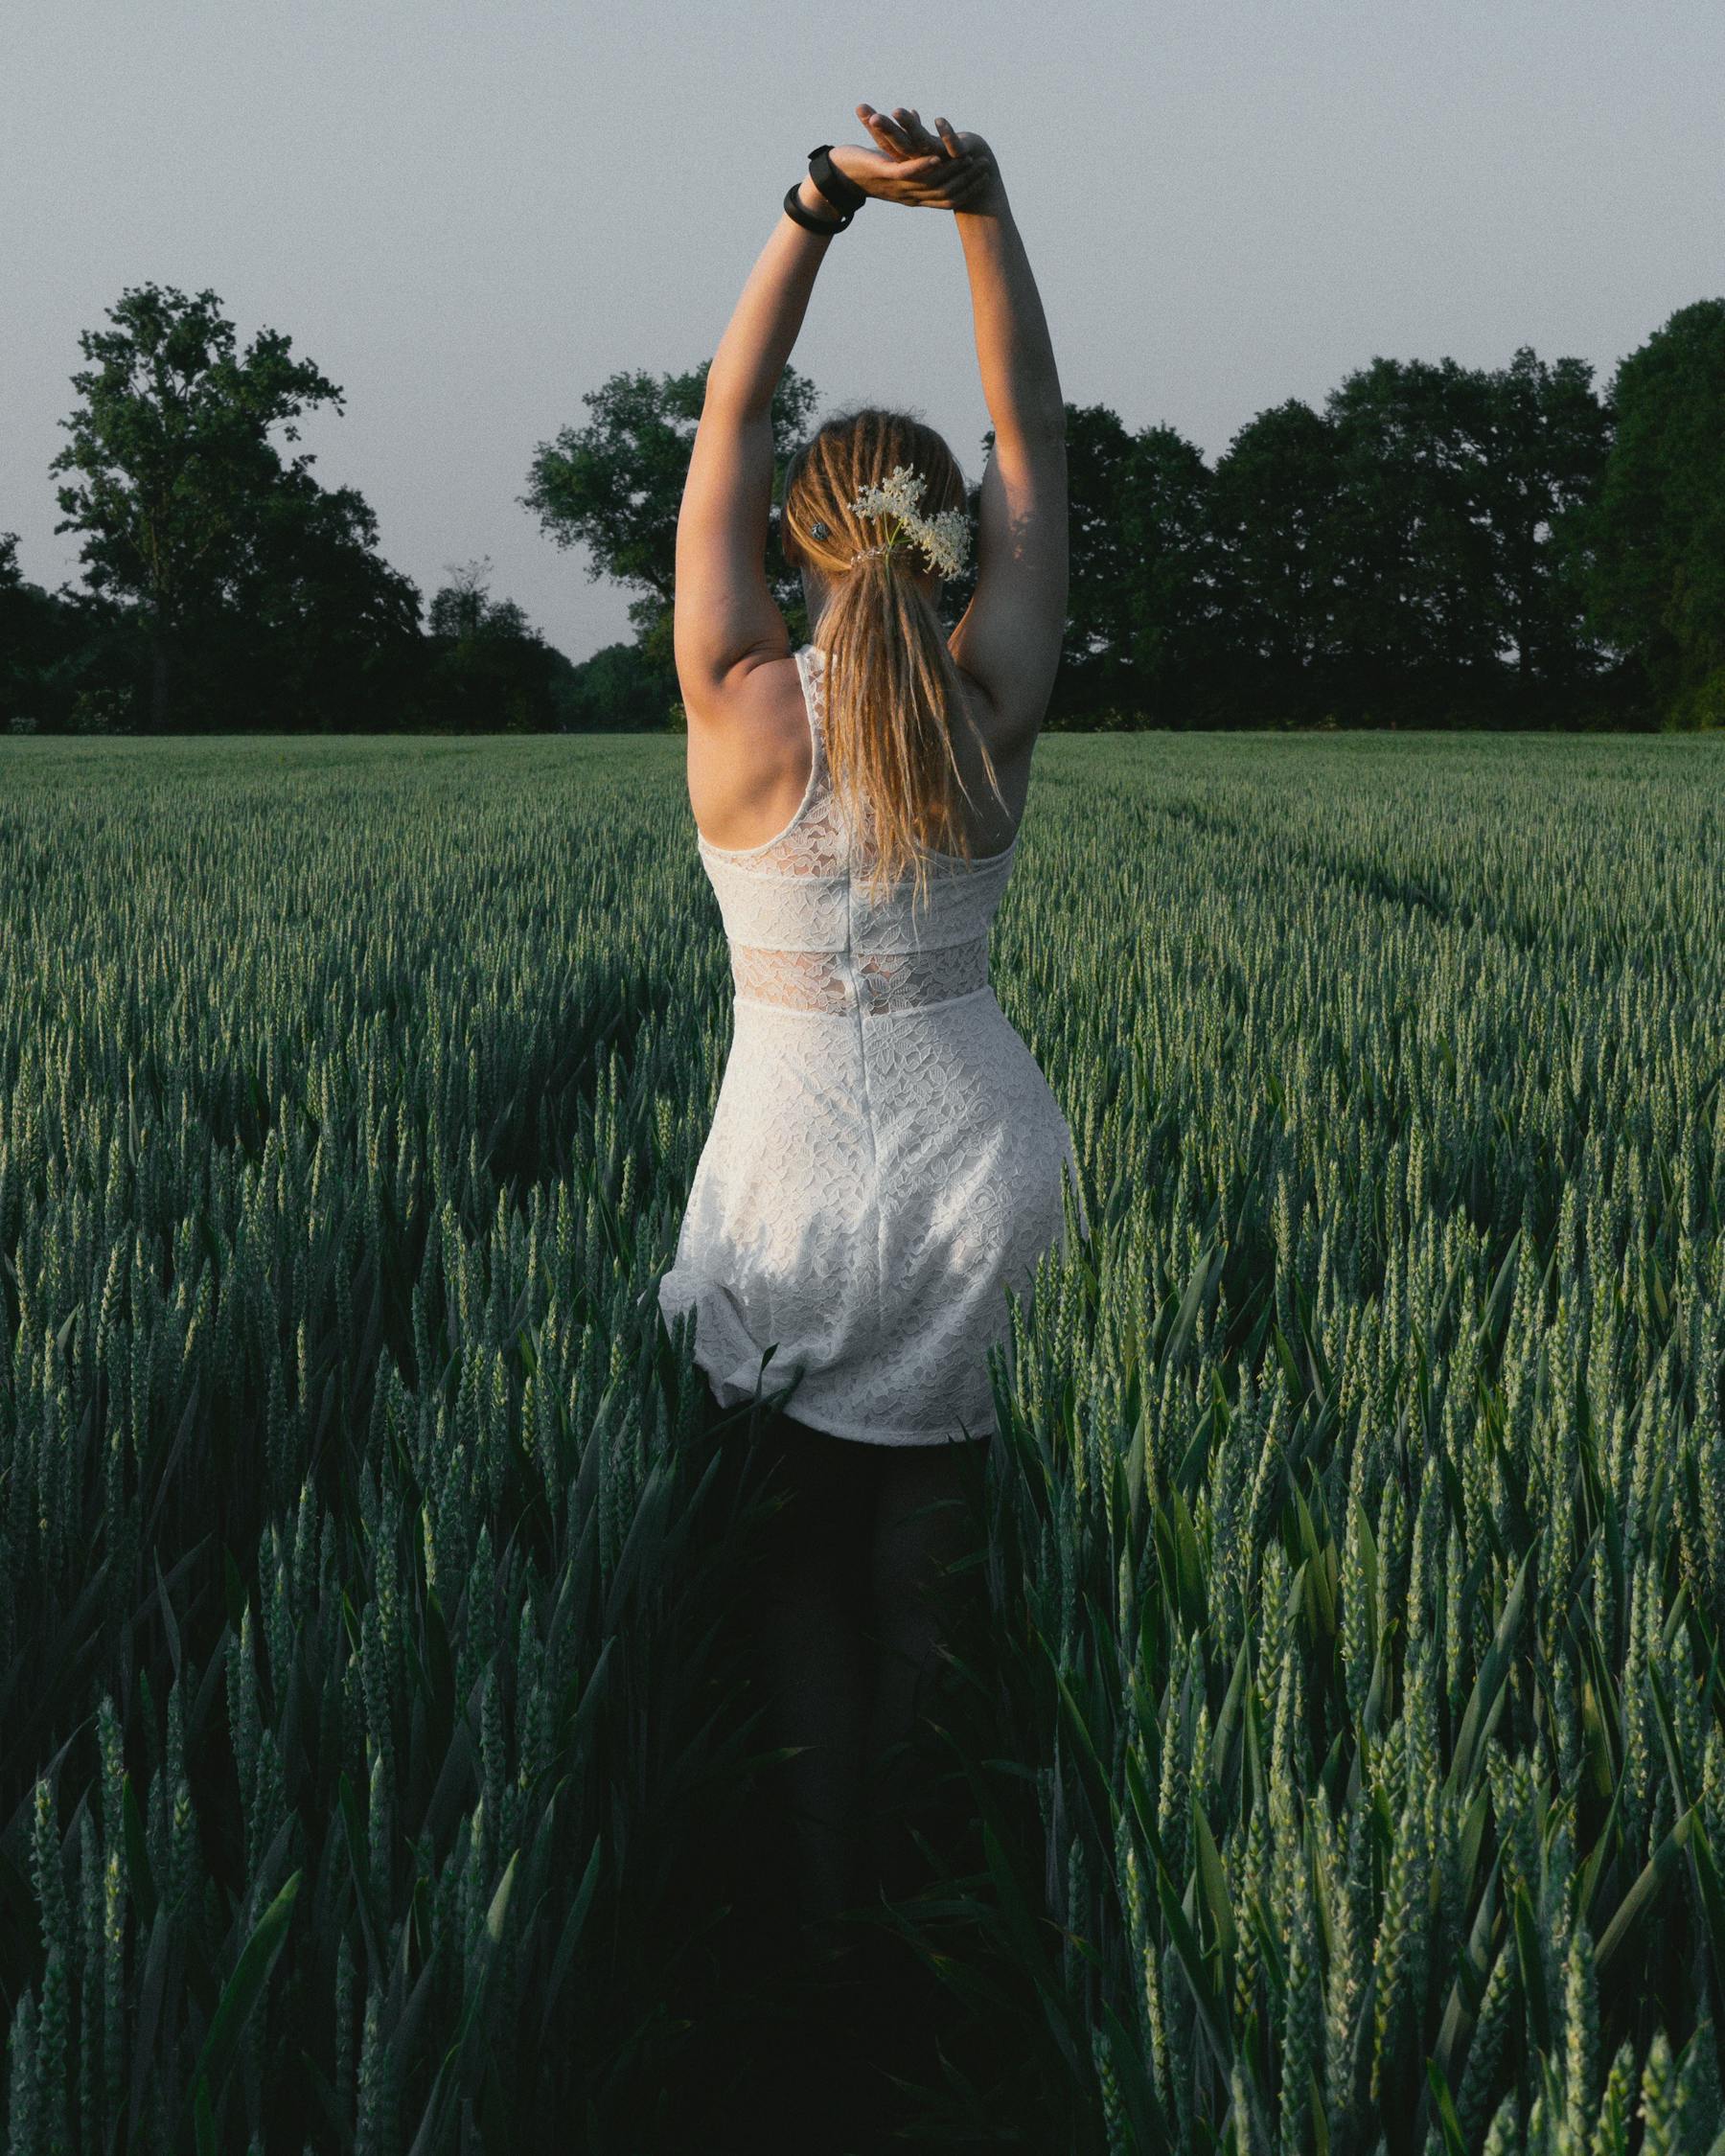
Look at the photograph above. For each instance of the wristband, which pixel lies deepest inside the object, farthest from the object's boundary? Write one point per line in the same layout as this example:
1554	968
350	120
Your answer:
794	209
844	194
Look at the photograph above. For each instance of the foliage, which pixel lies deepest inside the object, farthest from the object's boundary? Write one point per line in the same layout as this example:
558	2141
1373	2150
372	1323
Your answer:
618	690
490	667
187	508
1435	547
614	486
1657	528
464	610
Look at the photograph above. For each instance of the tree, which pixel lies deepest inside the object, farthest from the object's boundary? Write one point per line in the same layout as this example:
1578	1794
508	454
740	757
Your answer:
615	486
464	607
1271	497
1176	640
1550	437
613	691
55	646
315	620
1408	545
1651	547
27	638
1102	577
172	457
492	667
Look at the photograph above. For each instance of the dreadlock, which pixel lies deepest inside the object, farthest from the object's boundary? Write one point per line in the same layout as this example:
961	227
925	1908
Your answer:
893	692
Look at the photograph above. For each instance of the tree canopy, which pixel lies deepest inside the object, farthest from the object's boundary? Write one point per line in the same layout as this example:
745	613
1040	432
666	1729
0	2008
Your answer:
1434	544
1655	526
615	485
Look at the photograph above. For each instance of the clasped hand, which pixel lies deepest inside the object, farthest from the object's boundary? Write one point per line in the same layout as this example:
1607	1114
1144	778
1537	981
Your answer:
940	172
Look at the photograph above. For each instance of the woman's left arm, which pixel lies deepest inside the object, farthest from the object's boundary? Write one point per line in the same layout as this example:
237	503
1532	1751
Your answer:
724	619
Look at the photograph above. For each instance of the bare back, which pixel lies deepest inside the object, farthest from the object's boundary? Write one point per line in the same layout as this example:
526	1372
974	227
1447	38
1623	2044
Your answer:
747	775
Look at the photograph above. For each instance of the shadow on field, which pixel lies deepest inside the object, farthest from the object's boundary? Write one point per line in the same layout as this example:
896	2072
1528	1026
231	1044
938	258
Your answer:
839	2040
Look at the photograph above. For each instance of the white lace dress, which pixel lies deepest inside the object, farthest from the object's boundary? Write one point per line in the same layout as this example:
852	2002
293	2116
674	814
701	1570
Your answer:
885	1155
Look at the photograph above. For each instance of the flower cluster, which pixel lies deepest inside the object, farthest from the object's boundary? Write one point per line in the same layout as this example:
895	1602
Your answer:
943	538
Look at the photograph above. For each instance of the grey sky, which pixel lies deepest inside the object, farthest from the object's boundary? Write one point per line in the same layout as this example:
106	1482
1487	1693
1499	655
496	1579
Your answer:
468	215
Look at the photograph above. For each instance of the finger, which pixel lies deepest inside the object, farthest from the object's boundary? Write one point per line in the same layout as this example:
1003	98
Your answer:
930	179
916	196
913	180
966	188
955	167
947	136
940	195
918	133
944	175
895	140
885	125
960	184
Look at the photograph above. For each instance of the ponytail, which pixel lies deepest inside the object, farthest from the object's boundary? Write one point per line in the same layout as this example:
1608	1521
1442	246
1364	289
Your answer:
892	693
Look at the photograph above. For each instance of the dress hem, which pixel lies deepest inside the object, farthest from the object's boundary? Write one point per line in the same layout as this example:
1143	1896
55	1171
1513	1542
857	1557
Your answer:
737	1378
879	1437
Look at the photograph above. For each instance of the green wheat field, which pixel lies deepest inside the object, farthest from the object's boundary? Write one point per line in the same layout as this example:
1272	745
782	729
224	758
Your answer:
1338	1763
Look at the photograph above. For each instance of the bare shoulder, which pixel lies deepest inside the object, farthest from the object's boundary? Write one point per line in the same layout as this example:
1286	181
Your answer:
749	754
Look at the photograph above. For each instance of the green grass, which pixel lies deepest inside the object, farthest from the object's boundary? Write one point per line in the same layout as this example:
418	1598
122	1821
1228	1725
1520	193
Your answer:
1334	1751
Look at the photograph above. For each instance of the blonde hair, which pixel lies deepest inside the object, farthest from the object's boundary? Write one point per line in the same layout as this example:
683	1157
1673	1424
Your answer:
893	692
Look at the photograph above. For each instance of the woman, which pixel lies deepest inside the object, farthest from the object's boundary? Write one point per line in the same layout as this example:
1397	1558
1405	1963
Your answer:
885	1156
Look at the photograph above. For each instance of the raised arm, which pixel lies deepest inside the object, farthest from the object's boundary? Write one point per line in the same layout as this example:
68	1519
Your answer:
724	621
1010	637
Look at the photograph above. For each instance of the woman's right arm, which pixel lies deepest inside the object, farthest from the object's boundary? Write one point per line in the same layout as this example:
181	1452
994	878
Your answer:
1011	635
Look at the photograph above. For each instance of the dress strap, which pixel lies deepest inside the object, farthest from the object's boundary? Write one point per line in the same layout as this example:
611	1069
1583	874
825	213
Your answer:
811	663
811	667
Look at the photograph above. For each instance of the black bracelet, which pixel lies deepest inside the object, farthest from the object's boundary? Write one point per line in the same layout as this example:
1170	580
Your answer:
844	194
794	210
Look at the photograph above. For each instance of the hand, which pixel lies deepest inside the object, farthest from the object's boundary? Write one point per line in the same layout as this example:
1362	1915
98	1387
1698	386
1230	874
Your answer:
948	172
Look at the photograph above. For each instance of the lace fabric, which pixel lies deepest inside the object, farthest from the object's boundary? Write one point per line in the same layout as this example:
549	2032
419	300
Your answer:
804	931
876	983
867	1193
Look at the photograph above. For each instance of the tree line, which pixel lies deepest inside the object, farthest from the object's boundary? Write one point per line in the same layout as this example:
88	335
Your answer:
1435	547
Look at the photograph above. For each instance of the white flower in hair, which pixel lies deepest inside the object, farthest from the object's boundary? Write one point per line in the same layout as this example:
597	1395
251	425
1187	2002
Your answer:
943	538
